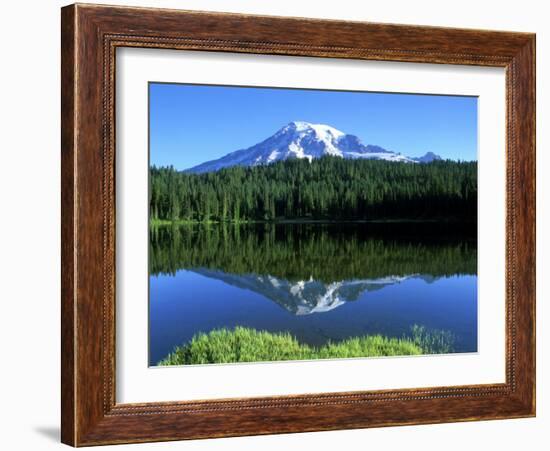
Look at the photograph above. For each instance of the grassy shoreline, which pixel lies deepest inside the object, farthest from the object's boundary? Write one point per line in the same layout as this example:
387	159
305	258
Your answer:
177	222
249	345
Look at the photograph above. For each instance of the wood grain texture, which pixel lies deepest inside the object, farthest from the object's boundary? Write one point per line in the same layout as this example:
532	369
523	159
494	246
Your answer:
90	36
68	147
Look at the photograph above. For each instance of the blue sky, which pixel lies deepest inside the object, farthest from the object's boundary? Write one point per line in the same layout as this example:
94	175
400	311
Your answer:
191	124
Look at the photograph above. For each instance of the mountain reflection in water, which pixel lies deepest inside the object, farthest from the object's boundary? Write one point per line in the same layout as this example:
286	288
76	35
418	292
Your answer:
302	297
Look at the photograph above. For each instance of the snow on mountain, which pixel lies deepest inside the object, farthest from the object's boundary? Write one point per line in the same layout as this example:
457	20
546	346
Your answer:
428	157
309	141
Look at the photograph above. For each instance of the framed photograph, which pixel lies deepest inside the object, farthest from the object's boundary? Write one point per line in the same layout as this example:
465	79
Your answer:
279	225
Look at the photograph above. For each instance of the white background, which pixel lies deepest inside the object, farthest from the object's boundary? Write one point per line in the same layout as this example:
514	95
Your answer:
30	225
137	383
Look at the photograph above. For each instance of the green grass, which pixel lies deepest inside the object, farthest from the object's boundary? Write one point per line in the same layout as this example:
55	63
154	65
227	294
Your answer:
433	341
248	345
156	222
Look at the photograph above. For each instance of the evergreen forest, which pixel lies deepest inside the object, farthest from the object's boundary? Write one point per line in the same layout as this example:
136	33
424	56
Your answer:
328	188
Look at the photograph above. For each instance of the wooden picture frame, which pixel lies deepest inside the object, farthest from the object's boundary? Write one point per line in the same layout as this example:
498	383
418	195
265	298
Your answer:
90	35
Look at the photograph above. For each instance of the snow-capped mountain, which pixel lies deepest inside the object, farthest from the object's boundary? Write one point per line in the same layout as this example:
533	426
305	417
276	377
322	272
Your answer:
428	157
306	140
304	297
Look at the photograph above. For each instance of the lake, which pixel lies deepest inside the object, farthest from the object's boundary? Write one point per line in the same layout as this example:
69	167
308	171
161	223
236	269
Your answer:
319	282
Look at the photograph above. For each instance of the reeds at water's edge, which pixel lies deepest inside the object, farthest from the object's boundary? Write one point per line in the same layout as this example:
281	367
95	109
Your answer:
249	345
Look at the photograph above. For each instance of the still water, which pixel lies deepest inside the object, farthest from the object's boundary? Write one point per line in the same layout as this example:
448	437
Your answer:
320	282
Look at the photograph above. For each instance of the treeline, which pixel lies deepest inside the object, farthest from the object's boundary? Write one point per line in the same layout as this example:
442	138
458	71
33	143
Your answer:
325	252
327	188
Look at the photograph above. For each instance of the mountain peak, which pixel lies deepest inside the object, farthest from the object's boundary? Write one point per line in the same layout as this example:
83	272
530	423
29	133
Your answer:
306	140
319	129
428	157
